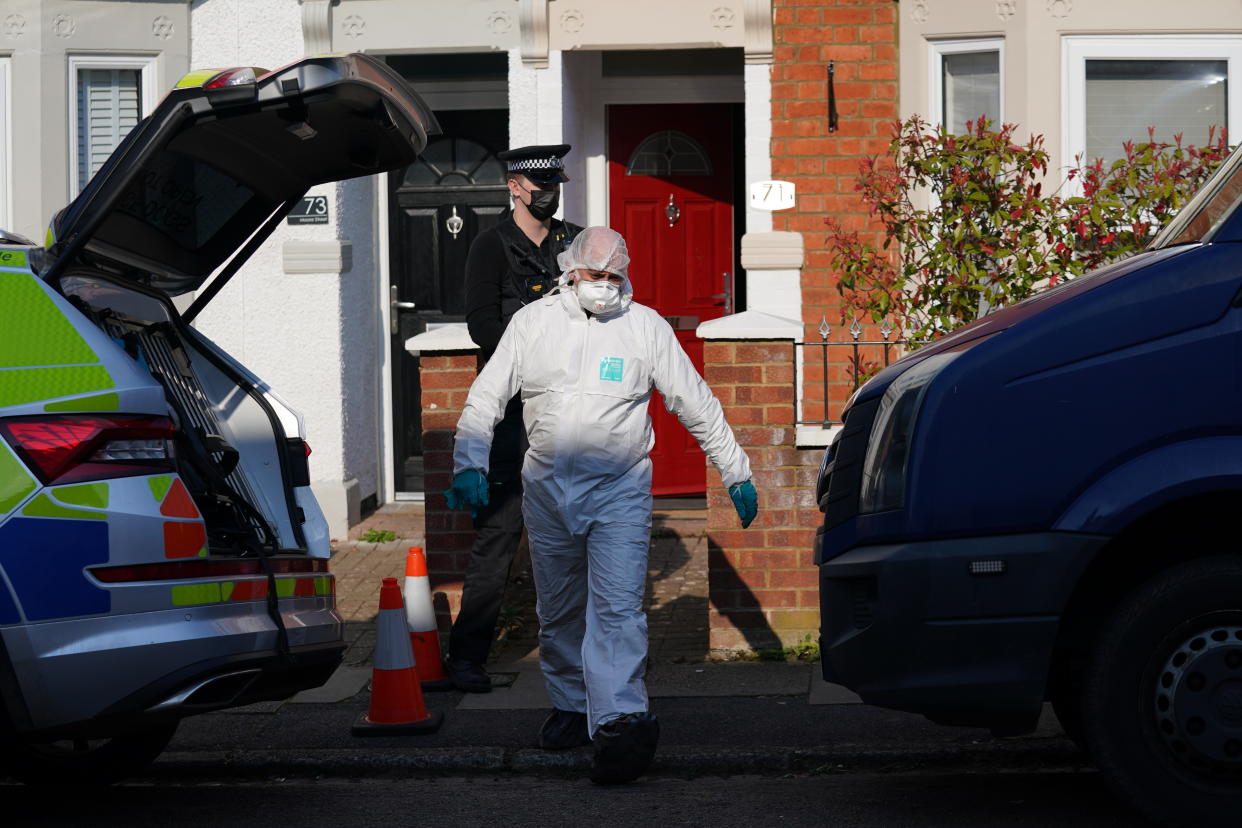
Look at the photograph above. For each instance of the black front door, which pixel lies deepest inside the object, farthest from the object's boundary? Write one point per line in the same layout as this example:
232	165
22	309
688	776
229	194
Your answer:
439	204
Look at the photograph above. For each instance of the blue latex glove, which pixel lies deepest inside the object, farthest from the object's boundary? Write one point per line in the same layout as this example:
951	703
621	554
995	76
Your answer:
745	500
469	491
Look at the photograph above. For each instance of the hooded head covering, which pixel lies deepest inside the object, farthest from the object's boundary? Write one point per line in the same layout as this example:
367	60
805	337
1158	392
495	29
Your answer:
599	249
596	248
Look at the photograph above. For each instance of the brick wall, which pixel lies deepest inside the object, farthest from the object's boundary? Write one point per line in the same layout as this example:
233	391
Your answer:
446	379
761	581
860	37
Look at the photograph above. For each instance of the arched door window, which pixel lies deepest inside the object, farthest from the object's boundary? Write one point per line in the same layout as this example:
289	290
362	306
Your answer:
454	162
669	153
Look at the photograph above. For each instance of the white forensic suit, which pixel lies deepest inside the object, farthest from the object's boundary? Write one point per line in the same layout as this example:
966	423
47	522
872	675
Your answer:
585	382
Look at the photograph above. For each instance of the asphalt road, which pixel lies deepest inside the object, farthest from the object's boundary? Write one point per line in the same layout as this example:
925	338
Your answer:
926	799
723	761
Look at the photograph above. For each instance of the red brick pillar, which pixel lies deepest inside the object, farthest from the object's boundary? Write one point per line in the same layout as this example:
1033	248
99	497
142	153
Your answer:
445	377
859	37
762	583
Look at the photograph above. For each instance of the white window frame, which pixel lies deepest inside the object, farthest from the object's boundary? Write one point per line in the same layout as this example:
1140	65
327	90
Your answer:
6	144
145	65
1076	50
936	52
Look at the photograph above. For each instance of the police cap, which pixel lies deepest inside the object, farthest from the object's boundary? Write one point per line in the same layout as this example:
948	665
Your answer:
542	164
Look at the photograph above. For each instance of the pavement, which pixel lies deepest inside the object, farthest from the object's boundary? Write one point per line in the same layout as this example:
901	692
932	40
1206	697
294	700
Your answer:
746	716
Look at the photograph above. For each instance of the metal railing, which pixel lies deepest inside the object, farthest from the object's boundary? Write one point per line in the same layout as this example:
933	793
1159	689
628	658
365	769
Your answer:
860	364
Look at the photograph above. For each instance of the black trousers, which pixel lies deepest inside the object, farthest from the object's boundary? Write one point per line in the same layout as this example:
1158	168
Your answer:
498	532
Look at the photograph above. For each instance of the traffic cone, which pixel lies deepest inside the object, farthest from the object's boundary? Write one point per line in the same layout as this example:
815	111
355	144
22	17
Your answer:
396	699
420	617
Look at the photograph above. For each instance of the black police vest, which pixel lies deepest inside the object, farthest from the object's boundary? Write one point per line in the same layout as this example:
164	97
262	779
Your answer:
530	276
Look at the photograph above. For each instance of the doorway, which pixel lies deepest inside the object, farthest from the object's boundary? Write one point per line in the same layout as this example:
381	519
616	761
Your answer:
671	194
438	205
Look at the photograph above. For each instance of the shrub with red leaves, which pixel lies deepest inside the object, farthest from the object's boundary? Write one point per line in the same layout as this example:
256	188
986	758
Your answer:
968	228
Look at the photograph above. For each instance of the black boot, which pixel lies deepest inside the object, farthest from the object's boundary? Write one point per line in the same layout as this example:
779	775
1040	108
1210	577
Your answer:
624	748
468	676
564	729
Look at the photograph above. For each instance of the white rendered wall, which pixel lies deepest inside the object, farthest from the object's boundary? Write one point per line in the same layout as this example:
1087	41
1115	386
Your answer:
578	70
311	336
536	109
586	130
758	117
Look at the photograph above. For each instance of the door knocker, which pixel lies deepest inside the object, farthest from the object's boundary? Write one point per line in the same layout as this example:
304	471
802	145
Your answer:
454	223
672	211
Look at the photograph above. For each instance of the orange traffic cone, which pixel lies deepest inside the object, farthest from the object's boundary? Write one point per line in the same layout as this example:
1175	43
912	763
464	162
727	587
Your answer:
396	699
420	617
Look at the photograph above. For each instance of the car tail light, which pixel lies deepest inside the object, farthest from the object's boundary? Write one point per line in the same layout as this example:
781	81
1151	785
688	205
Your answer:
70	448
235	77
199	568
297	453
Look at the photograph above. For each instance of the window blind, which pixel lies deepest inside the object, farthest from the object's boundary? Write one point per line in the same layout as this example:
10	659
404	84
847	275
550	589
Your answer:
109	103
1125	97
971	89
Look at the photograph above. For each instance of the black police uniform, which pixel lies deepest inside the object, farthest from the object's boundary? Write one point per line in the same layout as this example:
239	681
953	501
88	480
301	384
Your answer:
504	271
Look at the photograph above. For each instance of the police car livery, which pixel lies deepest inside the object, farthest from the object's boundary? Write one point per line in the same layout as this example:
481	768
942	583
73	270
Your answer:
161	553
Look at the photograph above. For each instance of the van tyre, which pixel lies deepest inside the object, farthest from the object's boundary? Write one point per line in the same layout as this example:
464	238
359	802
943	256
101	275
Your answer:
85	762
1162	701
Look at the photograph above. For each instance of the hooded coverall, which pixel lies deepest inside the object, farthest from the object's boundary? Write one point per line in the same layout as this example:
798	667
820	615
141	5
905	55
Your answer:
585	382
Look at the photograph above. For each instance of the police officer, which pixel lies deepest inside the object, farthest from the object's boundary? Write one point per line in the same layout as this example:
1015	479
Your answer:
508	265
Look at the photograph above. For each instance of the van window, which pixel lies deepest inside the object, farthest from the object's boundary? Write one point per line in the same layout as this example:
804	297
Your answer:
1215	202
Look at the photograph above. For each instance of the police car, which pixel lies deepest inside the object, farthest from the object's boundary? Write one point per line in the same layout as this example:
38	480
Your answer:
161	553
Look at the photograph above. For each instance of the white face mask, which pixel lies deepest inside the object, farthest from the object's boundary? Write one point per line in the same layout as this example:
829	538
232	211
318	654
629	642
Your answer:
598	297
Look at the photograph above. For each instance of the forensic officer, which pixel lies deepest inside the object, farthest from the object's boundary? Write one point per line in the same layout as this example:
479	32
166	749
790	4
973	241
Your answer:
508	266
586	361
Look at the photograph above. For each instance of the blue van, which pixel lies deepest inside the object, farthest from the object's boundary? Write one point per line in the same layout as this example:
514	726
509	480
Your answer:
1041	507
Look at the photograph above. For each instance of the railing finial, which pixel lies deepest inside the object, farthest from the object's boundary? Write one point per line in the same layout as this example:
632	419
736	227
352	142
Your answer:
855	328
824	329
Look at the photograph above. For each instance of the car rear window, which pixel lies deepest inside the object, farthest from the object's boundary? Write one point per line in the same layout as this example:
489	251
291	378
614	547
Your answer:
186	200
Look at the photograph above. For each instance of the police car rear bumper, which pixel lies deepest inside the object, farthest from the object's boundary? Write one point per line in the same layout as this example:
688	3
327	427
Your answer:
111	670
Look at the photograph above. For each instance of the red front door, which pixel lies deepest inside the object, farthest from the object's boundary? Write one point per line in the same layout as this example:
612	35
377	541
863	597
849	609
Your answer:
670	178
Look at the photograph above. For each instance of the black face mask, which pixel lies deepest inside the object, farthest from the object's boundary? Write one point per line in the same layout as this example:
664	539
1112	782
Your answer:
543	203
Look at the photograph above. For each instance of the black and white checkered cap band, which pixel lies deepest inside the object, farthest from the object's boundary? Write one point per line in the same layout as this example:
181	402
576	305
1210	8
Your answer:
523	164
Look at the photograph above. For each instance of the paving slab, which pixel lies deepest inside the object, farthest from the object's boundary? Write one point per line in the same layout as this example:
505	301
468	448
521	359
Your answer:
758	678
824	693
345	683
663	681
516	685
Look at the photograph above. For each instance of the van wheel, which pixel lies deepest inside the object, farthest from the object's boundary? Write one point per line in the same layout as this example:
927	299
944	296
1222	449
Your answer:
85	761
1162	703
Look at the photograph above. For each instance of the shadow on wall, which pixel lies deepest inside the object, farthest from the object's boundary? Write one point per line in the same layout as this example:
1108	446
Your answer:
675	599
449	533
737	605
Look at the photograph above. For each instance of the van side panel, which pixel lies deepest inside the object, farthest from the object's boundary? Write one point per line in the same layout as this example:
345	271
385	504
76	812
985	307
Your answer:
1159	477
1026	421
